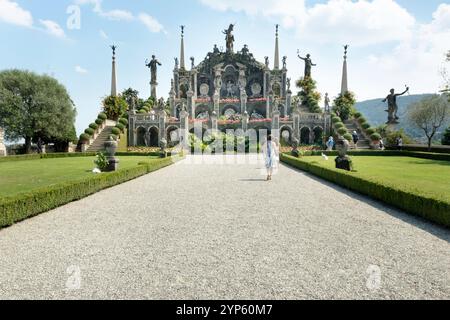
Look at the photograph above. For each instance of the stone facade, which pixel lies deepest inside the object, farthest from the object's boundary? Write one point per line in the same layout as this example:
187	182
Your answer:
228	90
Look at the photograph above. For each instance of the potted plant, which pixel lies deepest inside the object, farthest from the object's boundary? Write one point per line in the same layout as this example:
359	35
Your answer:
375	141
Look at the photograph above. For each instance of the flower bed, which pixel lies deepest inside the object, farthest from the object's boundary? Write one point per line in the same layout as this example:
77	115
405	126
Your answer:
259	120
202	100
229	100
257	100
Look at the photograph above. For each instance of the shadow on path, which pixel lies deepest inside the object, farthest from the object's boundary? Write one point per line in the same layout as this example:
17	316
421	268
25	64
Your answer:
419	222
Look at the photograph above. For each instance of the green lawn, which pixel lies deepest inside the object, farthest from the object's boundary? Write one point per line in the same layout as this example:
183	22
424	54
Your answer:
22	176
428	178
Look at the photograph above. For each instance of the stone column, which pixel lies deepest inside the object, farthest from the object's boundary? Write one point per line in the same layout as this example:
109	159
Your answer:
2	143
243	101
190	103
287	107
276	125
184	129
194	82
296	117
162	125
214	123
266	83
131	131
176	80
245	119
268	105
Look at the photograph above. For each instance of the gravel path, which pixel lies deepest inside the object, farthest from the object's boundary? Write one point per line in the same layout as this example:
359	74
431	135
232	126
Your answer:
220	232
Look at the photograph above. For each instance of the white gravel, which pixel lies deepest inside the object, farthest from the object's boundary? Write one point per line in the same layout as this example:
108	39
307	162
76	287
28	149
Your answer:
221	232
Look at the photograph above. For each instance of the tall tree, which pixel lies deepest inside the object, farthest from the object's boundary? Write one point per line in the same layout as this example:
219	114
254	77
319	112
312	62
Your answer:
35	106
429	114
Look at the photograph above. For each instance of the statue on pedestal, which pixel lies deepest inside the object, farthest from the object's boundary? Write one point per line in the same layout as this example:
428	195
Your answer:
308	64
392	105
153	65
229	38
327	102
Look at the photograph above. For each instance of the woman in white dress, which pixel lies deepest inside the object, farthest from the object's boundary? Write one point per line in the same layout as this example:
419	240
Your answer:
271	156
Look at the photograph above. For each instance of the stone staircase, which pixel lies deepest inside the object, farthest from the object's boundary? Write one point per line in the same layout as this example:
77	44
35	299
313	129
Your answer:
99	143
364	142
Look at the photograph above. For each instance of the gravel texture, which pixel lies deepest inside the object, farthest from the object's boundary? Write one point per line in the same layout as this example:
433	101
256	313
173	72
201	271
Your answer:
204	231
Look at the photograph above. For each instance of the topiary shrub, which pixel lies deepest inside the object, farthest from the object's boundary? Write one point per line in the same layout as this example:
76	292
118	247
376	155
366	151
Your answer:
362	120
339	125
336	119
89	131
342	131
84	137
123	121
348	137
142	111
102	116
375	137
358	115
115	131
99	121
120	126
365	126
93	126
371	131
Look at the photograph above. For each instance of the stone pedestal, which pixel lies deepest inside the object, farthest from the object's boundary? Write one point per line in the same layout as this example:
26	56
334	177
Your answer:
343	163
111	147
153	86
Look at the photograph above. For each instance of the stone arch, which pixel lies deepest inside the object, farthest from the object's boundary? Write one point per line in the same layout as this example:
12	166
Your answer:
236	109
140	136
154	136
286	137
305	135
173	136
318	134
201	109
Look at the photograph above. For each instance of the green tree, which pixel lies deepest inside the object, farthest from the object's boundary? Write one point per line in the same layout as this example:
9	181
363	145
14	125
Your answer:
446	137
308	95
343	105
130	95
35	106
429	114
114	107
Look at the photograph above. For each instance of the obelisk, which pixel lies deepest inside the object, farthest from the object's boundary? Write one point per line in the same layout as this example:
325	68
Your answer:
277	51
113	74
344	84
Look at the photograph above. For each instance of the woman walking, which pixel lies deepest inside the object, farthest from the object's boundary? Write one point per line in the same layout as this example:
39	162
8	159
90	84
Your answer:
271	156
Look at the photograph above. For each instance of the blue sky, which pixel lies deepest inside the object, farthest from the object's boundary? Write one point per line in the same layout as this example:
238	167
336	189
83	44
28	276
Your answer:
392	43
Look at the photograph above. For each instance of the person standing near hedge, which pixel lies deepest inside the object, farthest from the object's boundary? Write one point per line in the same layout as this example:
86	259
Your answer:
271	156
400	143
355	139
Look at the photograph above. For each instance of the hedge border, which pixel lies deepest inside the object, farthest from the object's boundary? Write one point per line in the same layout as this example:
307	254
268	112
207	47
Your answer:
431	209
22	206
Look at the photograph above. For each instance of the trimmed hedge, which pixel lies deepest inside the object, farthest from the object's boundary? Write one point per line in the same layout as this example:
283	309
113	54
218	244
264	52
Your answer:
99	121
93	126
20	207
348	137
120	126
115	131
365	125
84	137
432	209
342	131
339	125
89	131
102	116
371	131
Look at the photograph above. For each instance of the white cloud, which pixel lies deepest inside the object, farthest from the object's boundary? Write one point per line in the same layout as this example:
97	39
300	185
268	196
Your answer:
81	70
359	22
115	14
151	23
103	35
11	12
53	28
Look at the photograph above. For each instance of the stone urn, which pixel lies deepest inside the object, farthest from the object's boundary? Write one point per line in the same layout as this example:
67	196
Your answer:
343	161
111	148
163	146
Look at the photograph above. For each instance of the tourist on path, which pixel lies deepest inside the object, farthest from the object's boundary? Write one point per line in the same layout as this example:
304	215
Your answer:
355	139
330	144
271	156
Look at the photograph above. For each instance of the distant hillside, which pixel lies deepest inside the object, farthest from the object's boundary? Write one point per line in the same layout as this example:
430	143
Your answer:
374	112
